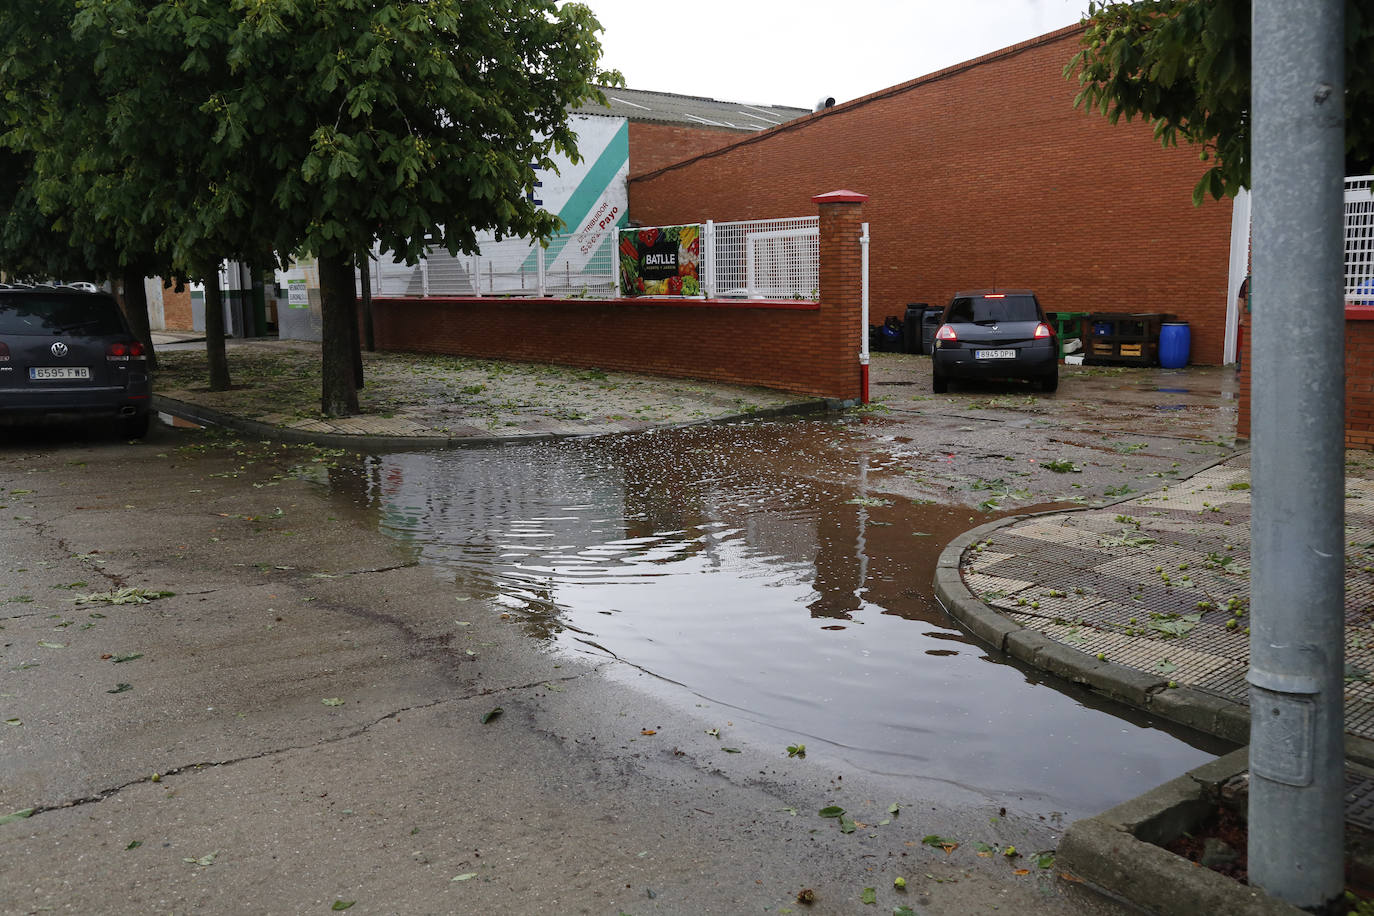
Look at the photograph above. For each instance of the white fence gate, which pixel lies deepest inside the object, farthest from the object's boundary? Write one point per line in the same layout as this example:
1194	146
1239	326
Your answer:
763	259
1359	240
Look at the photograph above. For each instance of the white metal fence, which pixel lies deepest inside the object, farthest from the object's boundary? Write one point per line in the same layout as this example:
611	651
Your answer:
1359	240
573	265
763	259
757	259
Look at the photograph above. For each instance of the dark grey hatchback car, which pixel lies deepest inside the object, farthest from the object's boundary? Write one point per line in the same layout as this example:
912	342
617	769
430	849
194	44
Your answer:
66	354
995	334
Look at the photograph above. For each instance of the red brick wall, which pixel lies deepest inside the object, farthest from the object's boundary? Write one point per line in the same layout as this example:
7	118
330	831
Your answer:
984	174
176	308
787	346
1243	398
652	146
1359	380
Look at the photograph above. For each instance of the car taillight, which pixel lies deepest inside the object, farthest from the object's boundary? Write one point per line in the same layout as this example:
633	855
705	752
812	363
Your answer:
1042	330
4	352
946	332
995	296
129	350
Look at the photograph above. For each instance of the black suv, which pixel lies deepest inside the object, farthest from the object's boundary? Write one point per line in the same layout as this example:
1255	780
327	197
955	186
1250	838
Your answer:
995	334
70	354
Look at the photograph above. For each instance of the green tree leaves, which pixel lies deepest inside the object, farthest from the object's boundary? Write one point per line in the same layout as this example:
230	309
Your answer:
1184	66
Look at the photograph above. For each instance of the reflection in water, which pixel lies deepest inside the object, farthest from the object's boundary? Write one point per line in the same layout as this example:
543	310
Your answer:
761	566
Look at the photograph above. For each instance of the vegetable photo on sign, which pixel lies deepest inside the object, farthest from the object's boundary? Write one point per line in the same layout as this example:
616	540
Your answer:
660	261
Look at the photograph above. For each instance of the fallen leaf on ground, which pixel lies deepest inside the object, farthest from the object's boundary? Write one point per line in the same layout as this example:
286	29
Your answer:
940	842
332	701
492	715
16	816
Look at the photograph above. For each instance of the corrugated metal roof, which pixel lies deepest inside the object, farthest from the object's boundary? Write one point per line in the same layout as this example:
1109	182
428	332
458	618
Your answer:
689	110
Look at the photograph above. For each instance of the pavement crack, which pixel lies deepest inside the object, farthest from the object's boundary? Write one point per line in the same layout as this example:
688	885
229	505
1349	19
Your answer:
363	729
512	688
380	569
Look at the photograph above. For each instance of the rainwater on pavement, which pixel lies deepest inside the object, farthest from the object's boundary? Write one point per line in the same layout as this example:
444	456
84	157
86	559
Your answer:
780	571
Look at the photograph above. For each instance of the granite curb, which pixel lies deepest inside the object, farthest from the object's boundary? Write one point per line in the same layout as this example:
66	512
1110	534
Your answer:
1121	852
1185	705
197	413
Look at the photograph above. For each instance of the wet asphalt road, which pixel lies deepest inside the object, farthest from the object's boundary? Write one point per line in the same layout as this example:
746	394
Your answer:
288	596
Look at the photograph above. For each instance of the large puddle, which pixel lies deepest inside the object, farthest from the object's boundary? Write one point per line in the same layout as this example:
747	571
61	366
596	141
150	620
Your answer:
764	567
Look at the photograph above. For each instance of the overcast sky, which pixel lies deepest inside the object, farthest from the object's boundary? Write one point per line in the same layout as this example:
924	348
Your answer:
794	52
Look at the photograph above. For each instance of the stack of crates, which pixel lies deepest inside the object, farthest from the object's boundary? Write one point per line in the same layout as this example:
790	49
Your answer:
1125	340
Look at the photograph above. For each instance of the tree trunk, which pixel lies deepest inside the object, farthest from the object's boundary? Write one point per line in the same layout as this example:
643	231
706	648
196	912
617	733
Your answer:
369	337
136	311
214	331
339	397
355	339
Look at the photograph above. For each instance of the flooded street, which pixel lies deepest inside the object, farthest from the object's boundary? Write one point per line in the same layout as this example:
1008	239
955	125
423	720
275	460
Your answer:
780	571
349	677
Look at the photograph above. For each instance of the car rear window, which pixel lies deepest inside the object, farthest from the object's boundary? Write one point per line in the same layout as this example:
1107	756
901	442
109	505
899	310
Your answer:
1002	308
42	314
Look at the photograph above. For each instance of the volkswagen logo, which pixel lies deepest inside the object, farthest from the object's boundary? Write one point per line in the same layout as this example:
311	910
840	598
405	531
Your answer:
59	349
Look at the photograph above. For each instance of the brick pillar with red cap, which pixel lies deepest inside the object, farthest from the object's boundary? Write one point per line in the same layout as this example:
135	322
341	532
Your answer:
841	292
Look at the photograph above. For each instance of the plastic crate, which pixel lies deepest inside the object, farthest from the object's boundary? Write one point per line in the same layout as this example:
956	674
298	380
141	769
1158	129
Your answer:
1130	339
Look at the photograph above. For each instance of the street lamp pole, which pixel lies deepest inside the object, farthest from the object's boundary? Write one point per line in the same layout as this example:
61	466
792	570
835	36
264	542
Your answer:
1296	844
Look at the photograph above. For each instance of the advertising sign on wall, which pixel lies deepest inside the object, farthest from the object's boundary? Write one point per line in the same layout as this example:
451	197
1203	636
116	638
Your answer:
663	261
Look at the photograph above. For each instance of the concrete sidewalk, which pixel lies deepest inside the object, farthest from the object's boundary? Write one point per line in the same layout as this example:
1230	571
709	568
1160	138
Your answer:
413	401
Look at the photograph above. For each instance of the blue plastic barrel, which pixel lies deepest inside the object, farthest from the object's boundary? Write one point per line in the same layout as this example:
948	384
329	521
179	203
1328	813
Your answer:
1174	341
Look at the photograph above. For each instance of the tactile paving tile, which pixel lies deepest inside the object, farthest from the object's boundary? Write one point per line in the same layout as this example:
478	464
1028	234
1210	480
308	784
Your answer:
1082	557
977	561
1056	533
1164	658
1359	799
1066	606
1228	682
1178	500
1359	718
984	585
1037	569
1361	690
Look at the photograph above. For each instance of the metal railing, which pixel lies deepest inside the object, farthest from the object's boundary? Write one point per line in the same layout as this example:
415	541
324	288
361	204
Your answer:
755	259
763	259
1359	240
573	265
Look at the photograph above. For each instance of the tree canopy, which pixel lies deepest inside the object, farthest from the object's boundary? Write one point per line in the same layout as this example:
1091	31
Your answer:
232	128
1184	66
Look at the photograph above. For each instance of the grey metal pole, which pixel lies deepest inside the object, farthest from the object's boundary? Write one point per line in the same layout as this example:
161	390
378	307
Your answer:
1297	457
